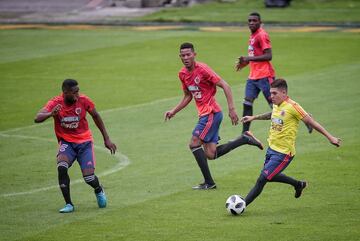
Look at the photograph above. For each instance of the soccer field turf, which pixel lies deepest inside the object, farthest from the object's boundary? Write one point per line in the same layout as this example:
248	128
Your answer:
132	77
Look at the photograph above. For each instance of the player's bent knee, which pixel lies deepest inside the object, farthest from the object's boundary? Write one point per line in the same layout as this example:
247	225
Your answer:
62	158
88	172
194	143
261	180
210	154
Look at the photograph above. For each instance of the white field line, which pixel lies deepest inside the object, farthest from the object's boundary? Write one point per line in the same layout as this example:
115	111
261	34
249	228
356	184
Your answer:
123	161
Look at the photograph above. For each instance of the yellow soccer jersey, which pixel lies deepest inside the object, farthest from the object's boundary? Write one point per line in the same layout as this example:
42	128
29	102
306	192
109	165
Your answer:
284	126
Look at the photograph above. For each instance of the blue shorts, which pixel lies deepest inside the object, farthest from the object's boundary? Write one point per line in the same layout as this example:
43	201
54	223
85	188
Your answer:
253	88
83	153
207	129
275	162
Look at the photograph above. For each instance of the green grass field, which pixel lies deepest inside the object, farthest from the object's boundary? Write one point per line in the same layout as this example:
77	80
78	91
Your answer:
301	11
132	77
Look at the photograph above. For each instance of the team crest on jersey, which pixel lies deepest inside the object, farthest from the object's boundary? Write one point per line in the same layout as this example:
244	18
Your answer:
197	80
252	41
282	113
78	111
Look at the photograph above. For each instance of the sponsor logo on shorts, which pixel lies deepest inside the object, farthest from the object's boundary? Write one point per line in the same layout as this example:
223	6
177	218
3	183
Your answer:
63	147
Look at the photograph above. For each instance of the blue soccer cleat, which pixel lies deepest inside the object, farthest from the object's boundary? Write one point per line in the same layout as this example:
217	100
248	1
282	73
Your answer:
101	199
67	209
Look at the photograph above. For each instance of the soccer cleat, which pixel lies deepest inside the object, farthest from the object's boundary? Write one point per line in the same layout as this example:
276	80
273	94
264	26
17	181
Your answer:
67	209
298	191
204	186
252	140
101	199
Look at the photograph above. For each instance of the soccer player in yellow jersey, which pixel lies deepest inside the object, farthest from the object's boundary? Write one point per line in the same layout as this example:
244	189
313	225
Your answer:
285	118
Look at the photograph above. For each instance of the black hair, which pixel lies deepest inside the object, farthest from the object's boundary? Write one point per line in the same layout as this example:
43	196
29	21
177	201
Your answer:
68	84
279	83
187	46
255	14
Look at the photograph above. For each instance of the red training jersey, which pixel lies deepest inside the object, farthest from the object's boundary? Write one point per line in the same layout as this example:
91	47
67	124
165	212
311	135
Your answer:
201	82
258	42
70	123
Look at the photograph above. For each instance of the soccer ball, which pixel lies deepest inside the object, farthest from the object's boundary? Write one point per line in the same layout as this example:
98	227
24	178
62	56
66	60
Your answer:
235	205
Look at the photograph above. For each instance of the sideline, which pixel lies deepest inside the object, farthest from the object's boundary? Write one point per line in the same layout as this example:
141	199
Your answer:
272	28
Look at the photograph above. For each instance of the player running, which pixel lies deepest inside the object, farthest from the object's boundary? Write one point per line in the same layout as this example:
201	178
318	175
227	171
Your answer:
285	118
75	139
199	82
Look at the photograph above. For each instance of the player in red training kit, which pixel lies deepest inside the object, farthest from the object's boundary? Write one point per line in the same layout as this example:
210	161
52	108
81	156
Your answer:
200	82
75	139
262	72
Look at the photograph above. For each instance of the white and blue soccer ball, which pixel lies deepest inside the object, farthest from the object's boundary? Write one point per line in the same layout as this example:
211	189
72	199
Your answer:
235	204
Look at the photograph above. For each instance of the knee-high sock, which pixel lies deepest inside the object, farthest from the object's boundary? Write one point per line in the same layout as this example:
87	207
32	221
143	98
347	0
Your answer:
201	159
93	181
225	148
64	183
256	190
248	110
285	179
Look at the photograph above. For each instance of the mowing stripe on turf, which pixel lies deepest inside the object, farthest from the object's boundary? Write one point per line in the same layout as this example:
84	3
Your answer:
101	112
304	29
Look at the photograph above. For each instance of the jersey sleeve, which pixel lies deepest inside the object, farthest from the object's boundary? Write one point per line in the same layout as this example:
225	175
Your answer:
89	104
298	112
210	75
264	41
181	77
50	105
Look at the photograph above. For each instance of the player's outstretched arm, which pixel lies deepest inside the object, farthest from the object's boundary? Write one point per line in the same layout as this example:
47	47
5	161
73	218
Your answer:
100	124
182	104
230	101
265	116
317	126
43	114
